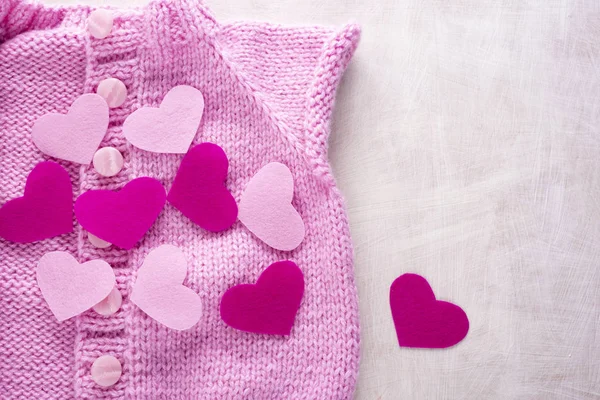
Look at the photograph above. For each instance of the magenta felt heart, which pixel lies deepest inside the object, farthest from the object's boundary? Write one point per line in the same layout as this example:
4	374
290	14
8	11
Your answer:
121	218
45	210
159	290
171	128
268	307
199	191
75	136
420	319
71	288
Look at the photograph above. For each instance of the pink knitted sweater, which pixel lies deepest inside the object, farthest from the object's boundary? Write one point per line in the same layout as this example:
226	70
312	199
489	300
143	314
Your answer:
269	92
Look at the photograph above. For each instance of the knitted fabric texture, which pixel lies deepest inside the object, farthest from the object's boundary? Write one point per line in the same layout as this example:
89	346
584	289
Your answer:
269	93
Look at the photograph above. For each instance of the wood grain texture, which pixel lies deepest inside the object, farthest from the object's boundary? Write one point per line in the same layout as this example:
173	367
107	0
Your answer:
467	142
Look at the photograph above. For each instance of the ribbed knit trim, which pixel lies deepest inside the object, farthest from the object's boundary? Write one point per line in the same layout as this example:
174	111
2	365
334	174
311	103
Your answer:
335	58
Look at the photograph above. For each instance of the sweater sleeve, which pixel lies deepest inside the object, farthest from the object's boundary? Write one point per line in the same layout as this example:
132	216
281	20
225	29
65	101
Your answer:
295	71
17	16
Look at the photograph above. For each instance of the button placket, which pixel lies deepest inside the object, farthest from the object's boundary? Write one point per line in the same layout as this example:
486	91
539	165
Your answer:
101	344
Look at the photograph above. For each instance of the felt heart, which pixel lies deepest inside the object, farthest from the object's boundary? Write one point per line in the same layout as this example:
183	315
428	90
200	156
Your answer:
171	128
44	211
420	319
75	136
71	288
199	191
121	218
269	306
266	209
159	290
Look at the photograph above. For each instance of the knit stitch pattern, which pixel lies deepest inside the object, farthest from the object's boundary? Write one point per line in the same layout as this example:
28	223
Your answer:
269	93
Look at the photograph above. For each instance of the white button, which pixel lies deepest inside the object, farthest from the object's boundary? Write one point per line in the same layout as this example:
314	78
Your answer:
114	92
97	242
108	161
110	304
106	371
100	23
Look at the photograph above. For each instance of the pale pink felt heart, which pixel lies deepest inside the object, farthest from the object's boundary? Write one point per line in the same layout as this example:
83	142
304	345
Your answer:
44	211
171	128
420	319
268	307
71	288
266	209
75	136
199	191
159	290
122	218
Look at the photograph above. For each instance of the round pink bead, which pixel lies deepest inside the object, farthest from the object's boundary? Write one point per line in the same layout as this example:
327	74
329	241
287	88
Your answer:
100	23
108	161
97	242
106	371
114	92
110	304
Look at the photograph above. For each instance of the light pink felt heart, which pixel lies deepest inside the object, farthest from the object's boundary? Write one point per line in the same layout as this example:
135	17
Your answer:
44	211
75	136
171	128
71	288
266	209
268	307
159	290
420	319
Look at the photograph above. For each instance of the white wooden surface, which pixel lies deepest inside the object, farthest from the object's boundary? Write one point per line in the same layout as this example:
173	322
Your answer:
467	142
